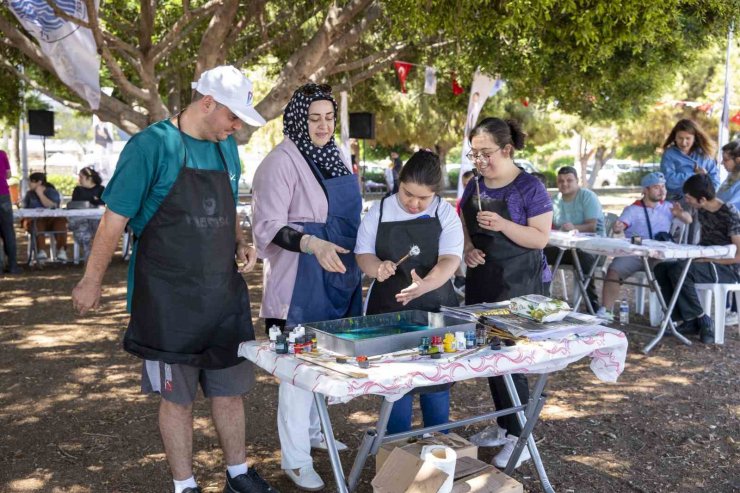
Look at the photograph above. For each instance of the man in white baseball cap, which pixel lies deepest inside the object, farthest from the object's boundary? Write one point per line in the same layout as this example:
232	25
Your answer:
176	186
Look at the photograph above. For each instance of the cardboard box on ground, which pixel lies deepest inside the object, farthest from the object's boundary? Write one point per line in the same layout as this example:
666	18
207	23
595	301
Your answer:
401	469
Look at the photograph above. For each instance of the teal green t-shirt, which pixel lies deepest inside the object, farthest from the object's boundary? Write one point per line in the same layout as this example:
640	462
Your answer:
148	167
584	206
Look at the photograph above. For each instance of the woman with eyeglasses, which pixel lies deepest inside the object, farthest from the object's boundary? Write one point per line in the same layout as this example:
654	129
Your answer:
507	215
90	189
729	191
306	212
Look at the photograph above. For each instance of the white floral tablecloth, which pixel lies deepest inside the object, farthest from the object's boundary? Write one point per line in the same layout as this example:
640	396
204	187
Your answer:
606	347
95	213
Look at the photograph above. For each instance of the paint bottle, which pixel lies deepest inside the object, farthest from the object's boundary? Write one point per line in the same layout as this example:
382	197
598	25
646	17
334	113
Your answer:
460	340
470	339
437	342
481	334
299	330
450	345
291	343
281	344
624	312
274	332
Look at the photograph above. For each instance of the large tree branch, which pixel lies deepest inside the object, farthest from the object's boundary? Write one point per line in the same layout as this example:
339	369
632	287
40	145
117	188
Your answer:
146	25
212	51
174	35
75	105
362	76
14	37
254	12
368	60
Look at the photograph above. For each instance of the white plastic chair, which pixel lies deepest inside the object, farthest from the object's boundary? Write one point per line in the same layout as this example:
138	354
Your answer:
719	292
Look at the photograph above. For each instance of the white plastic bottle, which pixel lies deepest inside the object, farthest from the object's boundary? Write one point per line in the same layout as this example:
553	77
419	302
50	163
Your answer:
624	312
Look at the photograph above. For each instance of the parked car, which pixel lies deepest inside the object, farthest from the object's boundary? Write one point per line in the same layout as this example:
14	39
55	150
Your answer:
611	170
525	164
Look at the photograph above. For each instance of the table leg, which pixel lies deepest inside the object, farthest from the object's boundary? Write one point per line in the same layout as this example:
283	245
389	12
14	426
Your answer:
331	444
667	310
528	421
582	284
555	268
32	251
371	442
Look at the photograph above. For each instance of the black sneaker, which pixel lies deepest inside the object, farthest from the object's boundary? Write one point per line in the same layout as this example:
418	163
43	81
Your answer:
192	490
251	482
706	329
689	327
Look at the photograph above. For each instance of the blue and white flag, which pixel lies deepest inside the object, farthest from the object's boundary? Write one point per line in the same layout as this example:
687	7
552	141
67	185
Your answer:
430	80
70	49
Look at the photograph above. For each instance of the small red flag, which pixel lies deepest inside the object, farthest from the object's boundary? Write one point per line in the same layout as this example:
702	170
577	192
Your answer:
704	107
456	88
525	102
402	70
736	118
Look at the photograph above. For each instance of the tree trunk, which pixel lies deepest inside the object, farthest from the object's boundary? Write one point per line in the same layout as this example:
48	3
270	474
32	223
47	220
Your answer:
442	151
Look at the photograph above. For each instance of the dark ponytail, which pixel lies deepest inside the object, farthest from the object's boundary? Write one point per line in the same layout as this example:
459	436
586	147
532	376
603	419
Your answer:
503	132
422	169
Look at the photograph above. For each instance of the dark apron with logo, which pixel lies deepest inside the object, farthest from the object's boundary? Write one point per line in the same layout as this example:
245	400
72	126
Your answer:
510	270
190	304
318	294
393	241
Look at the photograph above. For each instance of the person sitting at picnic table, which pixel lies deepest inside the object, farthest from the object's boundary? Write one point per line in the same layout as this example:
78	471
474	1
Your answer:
720	225
729	191
43	195
89	190
650	217
576	209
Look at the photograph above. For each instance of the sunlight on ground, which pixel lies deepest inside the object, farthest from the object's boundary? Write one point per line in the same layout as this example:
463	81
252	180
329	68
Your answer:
602	461
34	483
562	411
362	418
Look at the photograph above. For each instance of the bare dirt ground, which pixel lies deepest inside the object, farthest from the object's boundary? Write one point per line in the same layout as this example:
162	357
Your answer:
72	418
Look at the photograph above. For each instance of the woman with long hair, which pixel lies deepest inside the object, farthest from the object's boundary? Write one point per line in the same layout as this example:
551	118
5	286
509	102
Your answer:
729	191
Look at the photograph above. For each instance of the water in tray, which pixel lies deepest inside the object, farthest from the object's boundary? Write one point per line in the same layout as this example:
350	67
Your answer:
379	331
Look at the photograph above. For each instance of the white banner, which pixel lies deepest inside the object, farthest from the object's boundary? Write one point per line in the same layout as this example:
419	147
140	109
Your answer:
70	49
344	126
480	90
430	81
723	136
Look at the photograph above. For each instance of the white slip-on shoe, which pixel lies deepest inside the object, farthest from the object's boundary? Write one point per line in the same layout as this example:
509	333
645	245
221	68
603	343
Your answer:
493	436
321	444
502	458
41	256
306	478
62	255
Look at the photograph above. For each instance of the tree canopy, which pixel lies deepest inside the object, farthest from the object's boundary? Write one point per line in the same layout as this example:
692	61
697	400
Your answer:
594	58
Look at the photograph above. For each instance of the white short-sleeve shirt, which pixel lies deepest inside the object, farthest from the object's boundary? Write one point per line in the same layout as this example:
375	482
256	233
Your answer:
451	240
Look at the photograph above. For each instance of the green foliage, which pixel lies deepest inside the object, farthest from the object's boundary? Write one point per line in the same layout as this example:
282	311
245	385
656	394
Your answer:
453	175
375	176
558	163
550	177
65	184
631	178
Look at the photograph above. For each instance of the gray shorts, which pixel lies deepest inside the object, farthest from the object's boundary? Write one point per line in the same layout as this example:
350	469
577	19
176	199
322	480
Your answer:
179	383
627	266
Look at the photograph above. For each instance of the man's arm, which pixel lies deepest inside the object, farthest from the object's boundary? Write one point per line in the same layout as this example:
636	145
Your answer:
86	295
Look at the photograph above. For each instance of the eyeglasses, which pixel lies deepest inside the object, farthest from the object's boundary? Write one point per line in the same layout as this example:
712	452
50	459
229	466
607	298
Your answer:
311	89
482	157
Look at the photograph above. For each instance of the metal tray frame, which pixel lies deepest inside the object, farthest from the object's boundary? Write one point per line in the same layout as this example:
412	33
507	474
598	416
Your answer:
440	323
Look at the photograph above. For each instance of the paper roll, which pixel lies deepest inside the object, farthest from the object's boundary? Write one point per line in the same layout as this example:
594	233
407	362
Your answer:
444	459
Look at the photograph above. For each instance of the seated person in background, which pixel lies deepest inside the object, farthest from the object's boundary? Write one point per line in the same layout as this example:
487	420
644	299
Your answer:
720	225
90	189
729	191
42	194
576	208
648	217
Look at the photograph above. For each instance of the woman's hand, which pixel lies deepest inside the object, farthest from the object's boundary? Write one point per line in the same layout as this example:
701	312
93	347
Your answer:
326	253
619	226
698	170
417	288
386	269
474	258
491	221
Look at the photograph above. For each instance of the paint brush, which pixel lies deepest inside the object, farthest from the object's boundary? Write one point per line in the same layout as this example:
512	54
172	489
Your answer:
477	187
413	252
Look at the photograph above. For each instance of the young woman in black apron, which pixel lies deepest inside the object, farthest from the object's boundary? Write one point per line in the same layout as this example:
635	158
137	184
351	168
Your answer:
415	216
507	219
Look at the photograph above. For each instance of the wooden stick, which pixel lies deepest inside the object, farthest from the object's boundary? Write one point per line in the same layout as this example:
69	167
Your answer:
477	187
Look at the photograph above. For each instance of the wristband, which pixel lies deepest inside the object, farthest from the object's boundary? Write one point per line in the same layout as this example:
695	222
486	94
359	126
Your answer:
307	249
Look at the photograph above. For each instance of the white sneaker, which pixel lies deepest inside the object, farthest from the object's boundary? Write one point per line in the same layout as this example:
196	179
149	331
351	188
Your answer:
321	444
493	436
306	478
41	255
605	314
502	458
62	255
731	318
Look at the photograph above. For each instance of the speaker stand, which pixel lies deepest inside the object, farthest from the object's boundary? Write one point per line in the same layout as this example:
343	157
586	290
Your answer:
43	143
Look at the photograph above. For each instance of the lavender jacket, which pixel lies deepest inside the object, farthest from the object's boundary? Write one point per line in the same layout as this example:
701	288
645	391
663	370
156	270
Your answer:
284	193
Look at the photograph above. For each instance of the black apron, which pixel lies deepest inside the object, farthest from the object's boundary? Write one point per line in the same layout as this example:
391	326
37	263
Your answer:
510	270
392	242
190	304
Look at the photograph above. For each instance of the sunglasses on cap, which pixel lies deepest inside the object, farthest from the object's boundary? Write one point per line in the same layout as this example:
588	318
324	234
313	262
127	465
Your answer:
311	89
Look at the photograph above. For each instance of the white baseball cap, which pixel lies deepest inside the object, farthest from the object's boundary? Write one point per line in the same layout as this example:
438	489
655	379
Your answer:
228	86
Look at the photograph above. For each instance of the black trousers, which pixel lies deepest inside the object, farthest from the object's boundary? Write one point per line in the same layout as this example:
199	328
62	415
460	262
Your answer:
688	306
587	261
501	400
7	233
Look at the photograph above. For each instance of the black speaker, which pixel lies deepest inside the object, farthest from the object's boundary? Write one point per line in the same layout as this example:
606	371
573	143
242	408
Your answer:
361	126
41	122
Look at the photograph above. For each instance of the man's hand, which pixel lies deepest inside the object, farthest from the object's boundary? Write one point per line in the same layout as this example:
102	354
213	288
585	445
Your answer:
386	269
619	227
676	210
474	257
568	227
246	257
326	254
86	296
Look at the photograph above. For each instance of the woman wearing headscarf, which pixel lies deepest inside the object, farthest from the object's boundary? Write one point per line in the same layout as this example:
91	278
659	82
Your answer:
306	212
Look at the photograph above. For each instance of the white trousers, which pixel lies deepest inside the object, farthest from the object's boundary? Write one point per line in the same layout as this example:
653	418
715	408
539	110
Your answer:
298	424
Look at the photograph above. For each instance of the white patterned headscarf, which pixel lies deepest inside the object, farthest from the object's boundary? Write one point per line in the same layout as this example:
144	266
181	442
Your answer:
295	127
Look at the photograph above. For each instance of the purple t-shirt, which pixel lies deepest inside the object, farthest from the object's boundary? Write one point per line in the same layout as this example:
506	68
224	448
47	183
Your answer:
526	197
4	168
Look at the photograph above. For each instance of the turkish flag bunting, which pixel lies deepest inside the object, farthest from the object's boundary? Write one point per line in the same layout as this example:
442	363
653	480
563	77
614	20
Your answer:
402	70
736	118
456	88
704	107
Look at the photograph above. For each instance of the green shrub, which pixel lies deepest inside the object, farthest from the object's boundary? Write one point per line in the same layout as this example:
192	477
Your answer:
551	177
453	175
631	178
65	184
375	176
558	163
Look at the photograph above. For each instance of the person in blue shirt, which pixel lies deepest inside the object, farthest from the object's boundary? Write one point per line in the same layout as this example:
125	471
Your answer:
176	185
42	195
729	191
